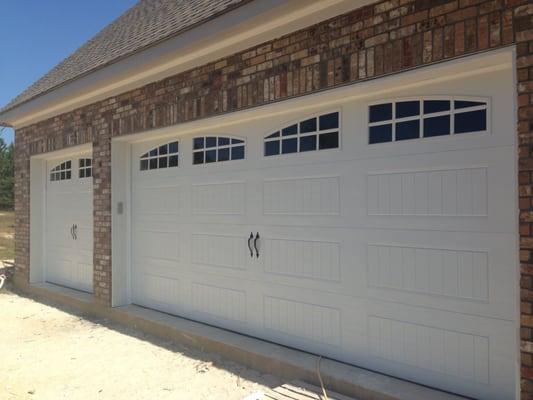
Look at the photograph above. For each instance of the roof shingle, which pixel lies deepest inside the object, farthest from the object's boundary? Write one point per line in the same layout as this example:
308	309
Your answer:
146	23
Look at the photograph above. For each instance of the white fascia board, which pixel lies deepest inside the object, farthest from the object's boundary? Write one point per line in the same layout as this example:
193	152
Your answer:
253	23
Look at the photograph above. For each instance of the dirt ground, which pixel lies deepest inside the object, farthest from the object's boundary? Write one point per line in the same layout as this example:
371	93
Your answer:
48	353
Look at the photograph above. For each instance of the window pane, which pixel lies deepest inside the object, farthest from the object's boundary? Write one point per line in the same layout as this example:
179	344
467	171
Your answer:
82	162
153	153
329	121
236	141
408	130
198	143
380	112
63	176
223	141
380	134
210	141
173	147
82	173
163	149
328	140
290	130
153	163
223	154
237	153
163	162
198	157
473	121
145	155
88	173
88	162
173	161
276	134
210	156
308	125
289	146
271	148
407	109
68	174
68	164
144	165
437	126
465	104
433	106
308	143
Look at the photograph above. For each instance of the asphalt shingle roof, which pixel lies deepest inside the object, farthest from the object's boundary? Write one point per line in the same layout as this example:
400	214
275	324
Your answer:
146	23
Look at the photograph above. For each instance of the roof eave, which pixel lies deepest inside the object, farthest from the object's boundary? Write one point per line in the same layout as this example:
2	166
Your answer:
243	26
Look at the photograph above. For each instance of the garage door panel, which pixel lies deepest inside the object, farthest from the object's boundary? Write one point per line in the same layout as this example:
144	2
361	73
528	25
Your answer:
442	189
309	259
84	234
158	244
161	292
225	198
444	347
83	274
465	272
305	196
158	267
158	203
220	251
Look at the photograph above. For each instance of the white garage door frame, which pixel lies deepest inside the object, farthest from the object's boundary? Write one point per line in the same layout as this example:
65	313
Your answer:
383	88
39	177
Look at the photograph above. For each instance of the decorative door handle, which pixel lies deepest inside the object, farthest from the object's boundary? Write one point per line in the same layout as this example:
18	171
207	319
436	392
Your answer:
255	245
75	227
72	231
250	245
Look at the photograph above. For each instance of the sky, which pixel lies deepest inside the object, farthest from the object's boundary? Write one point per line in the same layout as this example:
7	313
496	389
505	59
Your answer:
35	35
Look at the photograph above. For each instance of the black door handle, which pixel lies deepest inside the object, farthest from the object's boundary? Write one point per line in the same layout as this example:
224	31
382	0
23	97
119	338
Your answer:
250	245
72	231
255	244
75	232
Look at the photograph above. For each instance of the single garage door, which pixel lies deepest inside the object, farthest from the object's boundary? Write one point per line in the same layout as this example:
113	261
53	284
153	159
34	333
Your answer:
380	232
69	222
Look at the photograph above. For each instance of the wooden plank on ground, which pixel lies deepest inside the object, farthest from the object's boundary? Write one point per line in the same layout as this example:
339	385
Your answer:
298	390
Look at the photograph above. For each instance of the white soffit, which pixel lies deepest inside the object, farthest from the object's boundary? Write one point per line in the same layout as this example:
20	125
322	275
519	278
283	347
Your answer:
239	29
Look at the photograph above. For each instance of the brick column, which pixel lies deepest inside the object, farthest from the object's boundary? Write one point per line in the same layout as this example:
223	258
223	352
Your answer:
524	38
102	214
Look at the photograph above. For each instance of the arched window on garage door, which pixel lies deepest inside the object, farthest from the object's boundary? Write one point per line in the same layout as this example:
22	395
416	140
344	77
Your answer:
163	156
416	118
310	134
210	149
61	172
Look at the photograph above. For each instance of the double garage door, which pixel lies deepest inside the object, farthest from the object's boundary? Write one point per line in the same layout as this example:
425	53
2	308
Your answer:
379	232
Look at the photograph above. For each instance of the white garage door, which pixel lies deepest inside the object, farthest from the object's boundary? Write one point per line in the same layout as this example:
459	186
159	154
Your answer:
69	222
381	233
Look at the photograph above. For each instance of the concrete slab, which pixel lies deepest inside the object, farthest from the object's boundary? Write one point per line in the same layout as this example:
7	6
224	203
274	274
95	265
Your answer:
263	356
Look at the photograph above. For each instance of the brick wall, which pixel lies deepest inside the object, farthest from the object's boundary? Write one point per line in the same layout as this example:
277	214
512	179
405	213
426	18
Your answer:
379	39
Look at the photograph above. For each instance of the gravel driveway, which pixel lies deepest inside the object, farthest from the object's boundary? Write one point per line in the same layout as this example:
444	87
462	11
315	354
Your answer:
48	353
